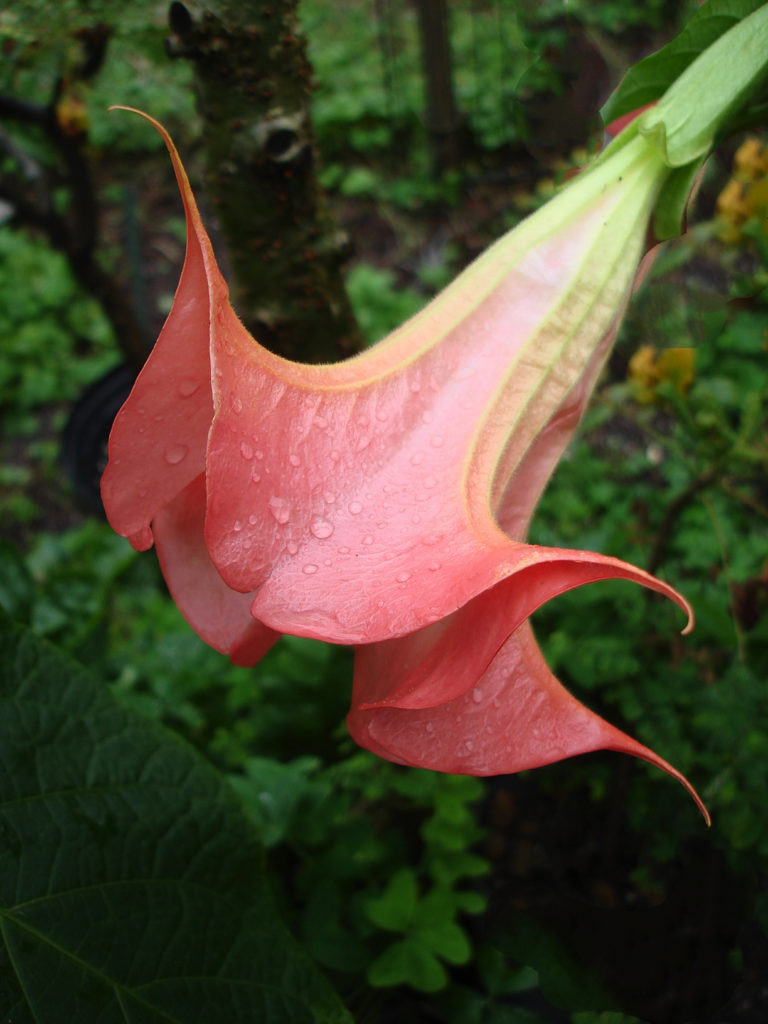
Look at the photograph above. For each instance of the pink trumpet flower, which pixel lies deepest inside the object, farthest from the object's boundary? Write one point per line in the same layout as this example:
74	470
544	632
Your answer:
383	501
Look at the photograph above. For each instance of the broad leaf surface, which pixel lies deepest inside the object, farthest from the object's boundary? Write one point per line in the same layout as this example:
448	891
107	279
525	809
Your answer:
650	79
132	887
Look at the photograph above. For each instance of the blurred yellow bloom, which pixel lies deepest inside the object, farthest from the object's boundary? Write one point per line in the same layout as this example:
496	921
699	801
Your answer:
746	194
648	369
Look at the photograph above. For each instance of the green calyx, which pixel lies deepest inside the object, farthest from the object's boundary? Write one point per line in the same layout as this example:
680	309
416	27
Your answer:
683	125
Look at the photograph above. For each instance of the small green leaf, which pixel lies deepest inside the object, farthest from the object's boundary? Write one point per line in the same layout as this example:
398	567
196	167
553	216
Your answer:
447	940
393	910
410	963
132	885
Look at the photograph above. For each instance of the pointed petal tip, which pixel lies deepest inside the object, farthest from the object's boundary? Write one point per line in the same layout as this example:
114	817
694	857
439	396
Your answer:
638	750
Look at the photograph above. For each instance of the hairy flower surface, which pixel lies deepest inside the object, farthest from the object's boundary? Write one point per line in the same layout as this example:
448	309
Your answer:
384	501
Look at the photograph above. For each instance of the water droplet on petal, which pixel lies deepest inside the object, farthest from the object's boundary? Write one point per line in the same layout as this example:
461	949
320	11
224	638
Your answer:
403	577
294	460
355	508
292	547
415	387
237	526
321	422
417	458
344	550
253	518
321	528
246	450
329	498
188	386
477	696
256	477
368	539
258	454
436	441
429	727
280	510
334	456
434	566
235	403
310	568
174	455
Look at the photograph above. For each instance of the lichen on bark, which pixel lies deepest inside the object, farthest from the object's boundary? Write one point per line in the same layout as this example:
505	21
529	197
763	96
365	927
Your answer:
253	84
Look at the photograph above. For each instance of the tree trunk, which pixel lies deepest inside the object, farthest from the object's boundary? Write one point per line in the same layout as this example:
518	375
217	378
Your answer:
442	116
253	89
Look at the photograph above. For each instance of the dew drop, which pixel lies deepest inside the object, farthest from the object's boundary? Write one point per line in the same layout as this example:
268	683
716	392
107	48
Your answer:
237	526
188	387
437	441
469	746
310	568
415	518
236	403
344	550
403	577
327	561
382	416
258	454
329	498
363	421
415	387
334	456
292	547
321	528
355	508
434	566
246	450
417	459
173	456
362	444
429	727
294	459
253	519
321	422
477	696
368	539
256	477
247	543
280	510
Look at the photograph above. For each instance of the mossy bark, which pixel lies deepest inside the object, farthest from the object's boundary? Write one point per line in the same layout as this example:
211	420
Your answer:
254	83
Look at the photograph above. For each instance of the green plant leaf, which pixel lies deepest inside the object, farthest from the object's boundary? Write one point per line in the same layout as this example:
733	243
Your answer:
408	962
132	886
651	78
393	910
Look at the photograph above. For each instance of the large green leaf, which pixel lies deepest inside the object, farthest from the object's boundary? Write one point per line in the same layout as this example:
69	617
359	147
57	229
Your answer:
132	887
651	78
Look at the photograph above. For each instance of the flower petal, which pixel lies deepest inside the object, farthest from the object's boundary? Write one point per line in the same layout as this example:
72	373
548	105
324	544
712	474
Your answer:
157	443
365	491
517	716
438	664
220	616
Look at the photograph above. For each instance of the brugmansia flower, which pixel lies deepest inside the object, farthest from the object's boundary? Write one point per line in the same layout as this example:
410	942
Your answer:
384	501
